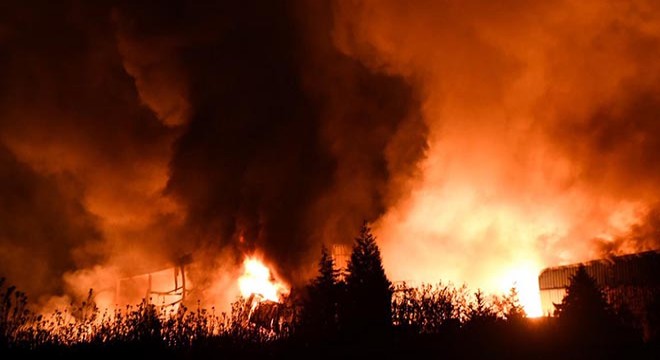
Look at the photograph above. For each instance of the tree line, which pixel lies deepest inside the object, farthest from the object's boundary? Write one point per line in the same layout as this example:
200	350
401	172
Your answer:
364	307
359	312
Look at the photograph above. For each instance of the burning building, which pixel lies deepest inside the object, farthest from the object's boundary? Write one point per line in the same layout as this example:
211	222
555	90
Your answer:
631	281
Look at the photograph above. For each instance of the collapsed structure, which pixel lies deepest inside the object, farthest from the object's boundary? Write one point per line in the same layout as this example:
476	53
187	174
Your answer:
276	317
166	286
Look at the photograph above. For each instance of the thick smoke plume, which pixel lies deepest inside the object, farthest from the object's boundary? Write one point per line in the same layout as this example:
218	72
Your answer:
485	140
141	132
544	133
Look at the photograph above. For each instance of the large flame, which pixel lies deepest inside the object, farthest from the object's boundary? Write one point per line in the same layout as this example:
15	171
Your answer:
523	277
258	280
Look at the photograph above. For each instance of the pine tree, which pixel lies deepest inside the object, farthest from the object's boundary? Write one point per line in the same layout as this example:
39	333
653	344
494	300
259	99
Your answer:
328	277
368	291
584	300
584	313
321	311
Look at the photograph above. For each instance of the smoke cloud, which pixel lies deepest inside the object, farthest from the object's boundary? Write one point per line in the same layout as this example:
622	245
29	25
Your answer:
72	118
484	140
543	143
217	129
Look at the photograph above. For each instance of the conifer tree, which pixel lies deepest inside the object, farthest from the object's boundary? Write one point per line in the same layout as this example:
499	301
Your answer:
368	290
584	313
328	276
584	300
321	311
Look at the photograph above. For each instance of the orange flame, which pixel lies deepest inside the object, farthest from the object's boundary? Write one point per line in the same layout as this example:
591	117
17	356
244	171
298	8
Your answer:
523	277
258	280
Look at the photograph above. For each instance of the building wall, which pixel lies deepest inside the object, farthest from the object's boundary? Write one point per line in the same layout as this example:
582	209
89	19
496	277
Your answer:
628	282
549	297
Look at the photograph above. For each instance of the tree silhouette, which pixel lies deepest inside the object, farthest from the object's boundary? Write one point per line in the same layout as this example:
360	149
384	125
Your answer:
321	310
584	300
427	309
652	317
510	307
368	291
584	315
328	277
480	311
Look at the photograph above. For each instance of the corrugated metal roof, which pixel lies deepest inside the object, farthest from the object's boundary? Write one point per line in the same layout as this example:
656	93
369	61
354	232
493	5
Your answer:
641	269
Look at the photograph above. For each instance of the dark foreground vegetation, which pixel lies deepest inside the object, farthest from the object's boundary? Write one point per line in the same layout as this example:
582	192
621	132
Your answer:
356	314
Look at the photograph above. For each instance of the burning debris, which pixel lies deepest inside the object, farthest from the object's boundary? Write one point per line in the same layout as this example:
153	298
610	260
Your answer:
270	316
267	303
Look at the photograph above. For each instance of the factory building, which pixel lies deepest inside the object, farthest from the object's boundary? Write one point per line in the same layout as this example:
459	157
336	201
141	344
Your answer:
630	281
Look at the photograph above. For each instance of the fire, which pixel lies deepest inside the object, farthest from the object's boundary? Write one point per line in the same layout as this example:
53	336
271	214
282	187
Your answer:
530	298
524	278
258	280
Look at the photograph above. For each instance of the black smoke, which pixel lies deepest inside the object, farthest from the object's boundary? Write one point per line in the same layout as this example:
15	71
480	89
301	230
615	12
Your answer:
288	143
199	127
